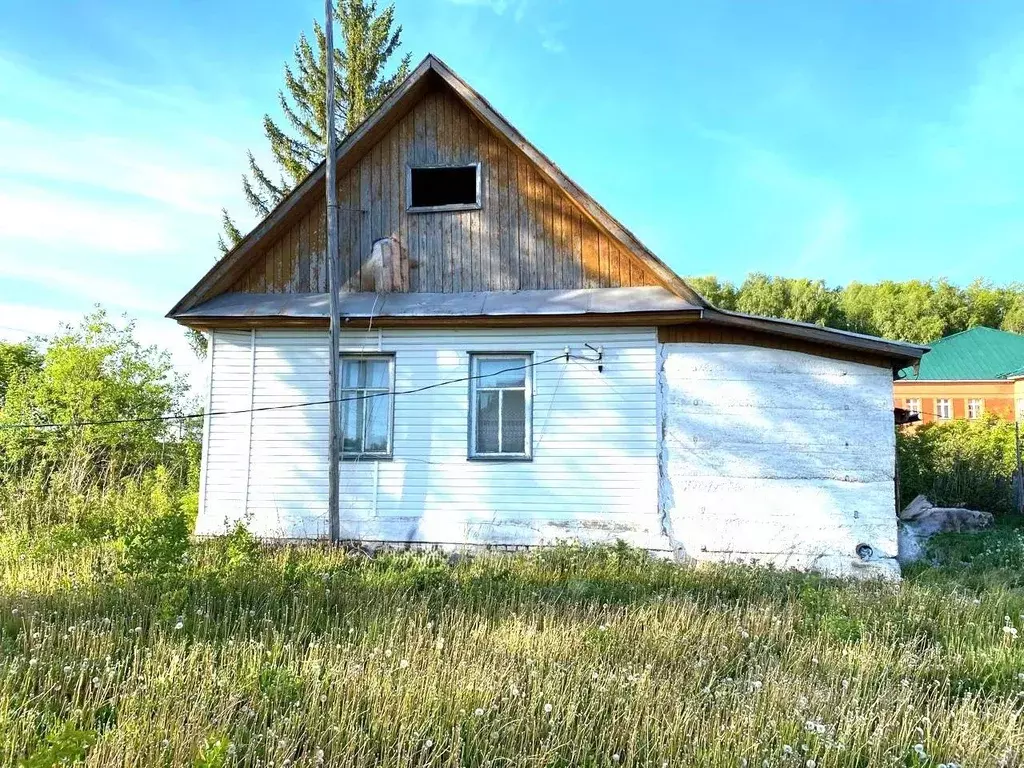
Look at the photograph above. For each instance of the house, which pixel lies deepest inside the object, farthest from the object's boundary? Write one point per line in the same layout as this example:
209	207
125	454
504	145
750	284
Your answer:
965	376
517	369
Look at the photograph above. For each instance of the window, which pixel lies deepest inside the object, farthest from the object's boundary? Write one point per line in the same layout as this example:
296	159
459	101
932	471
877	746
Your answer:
500	407
975	408
913	405
366	400
944	409
443	188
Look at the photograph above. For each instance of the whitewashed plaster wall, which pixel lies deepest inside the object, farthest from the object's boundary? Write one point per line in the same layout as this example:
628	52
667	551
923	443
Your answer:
777	457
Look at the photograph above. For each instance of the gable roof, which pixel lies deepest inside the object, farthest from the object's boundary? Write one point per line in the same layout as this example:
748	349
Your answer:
198	306
978	354
430	70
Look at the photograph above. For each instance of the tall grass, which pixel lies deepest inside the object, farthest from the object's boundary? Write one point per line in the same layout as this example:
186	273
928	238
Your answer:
291	657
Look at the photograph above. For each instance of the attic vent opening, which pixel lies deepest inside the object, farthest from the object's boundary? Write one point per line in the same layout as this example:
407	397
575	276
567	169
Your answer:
444	188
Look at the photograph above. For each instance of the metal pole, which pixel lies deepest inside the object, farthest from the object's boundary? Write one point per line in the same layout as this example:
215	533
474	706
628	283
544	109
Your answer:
1019	485
333	269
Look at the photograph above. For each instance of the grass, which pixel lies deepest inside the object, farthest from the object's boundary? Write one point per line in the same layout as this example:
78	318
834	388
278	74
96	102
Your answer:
600	657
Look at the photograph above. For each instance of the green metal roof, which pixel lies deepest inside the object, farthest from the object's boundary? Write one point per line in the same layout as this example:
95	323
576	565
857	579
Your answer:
978	354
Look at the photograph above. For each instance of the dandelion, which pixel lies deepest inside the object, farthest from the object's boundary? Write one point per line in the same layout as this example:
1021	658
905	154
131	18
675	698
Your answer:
616	758
428	743
1010	632
811	764
179	625
787	749
403	663
603	628
478	712
547	709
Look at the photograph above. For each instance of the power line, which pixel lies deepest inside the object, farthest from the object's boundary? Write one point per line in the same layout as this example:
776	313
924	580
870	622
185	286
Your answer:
367	396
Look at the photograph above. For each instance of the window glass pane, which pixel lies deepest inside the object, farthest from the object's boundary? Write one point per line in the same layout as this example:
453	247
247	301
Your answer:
513	421
487	422
377	374
378	411
492	370
352	424
352	373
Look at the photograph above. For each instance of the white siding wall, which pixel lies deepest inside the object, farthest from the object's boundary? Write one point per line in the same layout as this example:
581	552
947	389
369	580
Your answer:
594	475
778	457
268	468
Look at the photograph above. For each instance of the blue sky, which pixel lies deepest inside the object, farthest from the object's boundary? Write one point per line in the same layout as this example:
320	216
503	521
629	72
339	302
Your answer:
841	140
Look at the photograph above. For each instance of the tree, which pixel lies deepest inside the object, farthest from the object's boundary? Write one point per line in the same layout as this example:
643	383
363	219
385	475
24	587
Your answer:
720	293
17	361
96	371
369	40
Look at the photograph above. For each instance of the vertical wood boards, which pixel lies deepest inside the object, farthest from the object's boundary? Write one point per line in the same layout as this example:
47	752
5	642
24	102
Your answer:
527	234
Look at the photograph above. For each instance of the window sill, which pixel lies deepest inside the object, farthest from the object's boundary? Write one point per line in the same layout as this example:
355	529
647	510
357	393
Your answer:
445	208
366	457
499	458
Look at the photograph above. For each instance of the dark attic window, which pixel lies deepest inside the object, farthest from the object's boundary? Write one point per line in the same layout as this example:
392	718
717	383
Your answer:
444	188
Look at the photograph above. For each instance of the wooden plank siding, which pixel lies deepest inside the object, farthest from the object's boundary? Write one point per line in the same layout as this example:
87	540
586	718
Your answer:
528	234
709	333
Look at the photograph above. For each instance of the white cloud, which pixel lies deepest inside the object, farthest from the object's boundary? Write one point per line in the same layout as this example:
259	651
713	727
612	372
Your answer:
36	216
149	170
94	288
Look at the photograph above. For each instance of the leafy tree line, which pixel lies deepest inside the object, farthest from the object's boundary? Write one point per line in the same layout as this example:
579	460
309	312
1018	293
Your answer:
919	311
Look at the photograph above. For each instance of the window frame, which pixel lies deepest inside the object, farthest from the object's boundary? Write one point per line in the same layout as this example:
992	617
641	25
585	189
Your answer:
526	358
980	401
915	408
387	454
948	402
410	208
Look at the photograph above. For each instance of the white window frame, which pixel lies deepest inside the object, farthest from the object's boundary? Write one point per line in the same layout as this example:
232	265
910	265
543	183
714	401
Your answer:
975	402
476	206
938	409
346	392
913	405
514	359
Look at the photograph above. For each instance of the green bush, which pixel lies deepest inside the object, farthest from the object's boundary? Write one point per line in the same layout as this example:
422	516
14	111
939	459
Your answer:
155	532
959	463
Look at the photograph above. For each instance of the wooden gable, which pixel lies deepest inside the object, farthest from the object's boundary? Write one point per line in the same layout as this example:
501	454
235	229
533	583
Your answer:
528	233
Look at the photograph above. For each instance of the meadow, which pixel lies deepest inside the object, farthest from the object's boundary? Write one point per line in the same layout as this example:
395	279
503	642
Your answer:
249	656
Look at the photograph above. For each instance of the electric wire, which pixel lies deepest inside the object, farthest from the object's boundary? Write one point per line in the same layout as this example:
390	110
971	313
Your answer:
330	401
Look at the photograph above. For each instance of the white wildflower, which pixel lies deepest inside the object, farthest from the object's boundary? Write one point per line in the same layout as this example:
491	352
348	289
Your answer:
616	758
787	749
403	663
478	712
547	709
179	625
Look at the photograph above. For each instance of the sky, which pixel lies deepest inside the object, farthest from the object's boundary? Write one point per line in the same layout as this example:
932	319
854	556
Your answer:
841	140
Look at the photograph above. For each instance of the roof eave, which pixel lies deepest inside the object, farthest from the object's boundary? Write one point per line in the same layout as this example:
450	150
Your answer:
900	353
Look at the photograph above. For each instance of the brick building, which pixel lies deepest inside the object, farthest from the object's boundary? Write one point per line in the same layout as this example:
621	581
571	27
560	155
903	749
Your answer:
965	376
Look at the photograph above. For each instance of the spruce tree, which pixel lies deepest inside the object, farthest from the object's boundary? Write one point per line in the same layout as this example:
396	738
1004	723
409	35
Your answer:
369	40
